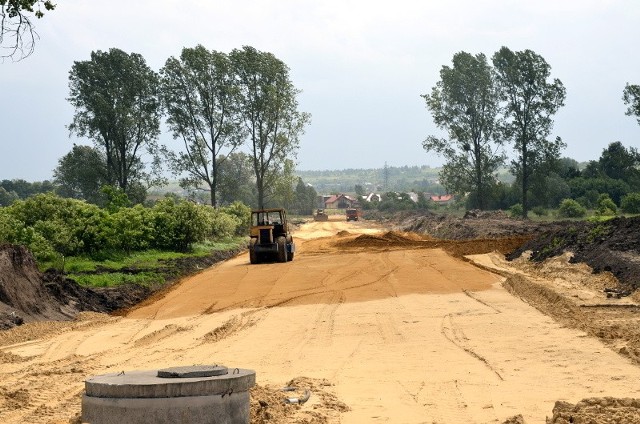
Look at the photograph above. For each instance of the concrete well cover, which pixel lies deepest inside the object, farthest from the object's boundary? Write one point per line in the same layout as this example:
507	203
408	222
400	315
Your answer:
193	371
147	384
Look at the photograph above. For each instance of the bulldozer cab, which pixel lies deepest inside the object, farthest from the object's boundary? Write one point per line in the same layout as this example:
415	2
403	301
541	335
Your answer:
275	218
266	217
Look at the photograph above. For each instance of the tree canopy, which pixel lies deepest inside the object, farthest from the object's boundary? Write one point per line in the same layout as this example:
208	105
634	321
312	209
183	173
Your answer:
269	112
201	99
17	31
465	104
529	103
81	173
115	95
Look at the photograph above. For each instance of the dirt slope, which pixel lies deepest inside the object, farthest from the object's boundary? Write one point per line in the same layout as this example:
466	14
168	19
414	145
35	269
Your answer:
395	332
22	294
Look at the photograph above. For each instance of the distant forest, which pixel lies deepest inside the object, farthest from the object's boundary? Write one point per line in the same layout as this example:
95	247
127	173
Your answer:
381	180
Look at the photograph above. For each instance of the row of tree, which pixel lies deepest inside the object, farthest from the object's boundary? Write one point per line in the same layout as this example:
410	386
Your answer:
215	103
484	106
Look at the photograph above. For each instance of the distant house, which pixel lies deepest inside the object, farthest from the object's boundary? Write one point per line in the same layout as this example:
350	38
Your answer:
339	201
372	197
443	199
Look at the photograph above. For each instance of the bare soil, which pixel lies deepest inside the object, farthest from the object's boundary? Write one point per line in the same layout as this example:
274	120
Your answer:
379	324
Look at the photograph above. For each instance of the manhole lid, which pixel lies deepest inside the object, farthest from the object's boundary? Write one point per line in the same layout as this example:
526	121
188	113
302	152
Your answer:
194	371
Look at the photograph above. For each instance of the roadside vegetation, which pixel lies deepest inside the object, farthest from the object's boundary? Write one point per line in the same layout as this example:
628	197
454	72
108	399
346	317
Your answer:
120	243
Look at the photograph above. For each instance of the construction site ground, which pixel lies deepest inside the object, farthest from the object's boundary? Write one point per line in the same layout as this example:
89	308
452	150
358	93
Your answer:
380	326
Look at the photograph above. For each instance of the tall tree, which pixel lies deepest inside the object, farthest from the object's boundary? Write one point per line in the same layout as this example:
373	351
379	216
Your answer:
116	102
631	98
17	32
530	101
81	173
465	104
269	110
201	96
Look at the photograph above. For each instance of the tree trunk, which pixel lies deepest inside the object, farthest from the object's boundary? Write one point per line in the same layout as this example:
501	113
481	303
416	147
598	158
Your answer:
525	181
479	188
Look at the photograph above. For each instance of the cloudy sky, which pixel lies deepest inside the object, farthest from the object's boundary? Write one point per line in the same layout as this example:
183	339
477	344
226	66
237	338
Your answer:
361	64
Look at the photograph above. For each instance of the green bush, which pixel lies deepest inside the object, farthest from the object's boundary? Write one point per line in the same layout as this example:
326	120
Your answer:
243	213
10	227
631	203
516	211
606	206
53	227
38	245
569	208
221	224
540	211
129	229
68	226
179	224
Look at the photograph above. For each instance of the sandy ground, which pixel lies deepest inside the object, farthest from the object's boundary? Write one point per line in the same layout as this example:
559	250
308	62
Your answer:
384	335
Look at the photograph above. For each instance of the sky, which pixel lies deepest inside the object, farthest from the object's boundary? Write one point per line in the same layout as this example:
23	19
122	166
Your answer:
362	66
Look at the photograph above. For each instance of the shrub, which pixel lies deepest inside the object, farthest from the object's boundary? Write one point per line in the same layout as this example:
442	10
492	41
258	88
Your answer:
243	213
221	224
606	206
516	211
178	224
69	226
540	211
631	203
10	227
569	208
130	229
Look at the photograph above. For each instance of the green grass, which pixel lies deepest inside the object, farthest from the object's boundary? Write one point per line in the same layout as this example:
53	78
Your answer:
114	279
111	264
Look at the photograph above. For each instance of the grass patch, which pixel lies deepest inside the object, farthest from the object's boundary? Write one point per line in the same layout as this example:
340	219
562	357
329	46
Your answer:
115	268
113	279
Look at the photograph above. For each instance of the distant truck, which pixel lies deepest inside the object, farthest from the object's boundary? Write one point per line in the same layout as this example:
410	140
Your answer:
353	214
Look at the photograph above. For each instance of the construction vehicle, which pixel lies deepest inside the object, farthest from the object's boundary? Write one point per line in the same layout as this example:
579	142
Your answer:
320	215
270	236
353	214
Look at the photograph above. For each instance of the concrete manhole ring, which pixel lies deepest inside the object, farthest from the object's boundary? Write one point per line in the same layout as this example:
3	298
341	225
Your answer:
195	371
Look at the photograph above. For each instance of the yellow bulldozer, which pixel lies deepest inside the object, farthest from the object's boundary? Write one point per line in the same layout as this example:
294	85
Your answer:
270	236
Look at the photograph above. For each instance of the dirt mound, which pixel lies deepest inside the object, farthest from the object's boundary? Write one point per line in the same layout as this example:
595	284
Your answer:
475	224
284	405
458	248
26	295
388	239
612	246
23	297
597	411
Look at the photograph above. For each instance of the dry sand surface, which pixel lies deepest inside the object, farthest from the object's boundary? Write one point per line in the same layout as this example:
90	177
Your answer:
379	331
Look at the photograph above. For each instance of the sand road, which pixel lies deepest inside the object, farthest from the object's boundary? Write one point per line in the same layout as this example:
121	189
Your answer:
399	335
